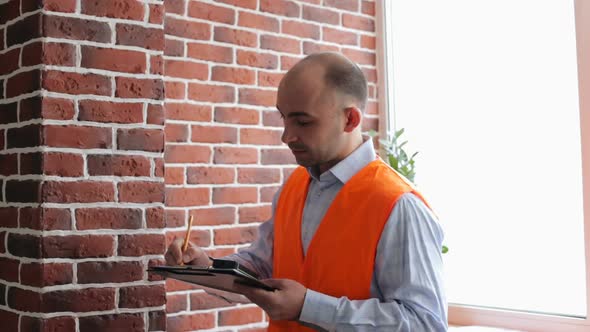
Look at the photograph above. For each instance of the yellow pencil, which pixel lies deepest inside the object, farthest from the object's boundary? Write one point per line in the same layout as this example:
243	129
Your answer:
186	237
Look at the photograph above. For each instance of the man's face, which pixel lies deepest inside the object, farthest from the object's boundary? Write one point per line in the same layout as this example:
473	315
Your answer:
313	119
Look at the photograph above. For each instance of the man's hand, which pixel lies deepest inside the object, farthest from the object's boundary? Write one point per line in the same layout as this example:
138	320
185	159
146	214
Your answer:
285	303
192	256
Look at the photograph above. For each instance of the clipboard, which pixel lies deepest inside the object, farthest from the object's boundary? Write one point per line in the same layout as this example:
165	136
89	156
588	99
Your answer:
222	275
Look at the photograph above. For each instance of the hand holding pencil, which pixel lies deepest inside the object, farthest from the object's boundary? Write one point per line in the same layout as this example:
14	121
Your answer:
181	251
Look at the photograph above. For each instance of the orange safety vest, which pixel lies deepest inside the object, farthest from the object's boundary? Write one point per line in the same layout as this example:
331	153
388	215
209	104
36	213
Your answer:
341	255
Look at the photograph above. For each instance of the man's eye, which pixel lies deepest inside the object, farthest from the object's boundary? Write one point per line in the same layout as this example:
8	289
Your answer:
302	123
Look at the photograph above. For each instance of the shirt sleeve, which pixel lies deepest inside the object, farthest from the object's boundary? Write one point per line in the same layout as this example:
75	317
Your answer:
258	256
407	281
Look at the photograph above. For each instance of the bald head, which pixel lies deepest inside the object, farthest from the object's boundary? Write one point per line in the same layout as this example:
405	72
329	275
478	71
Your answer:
337	72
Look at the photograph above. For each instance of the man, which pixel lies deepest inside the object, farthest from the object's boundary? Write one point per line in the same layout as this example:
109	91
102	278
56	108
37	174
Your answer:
351	245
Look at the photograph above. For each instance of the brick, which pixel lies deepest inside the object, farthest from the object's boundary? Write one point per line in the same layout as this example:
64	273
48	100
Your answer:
174	6
155	114
280	44
135	35
370	74
250	214
77	246
214	134
124	9
211	12
108	218
156	64
118	165
250	4
301	29
9	164
269	79
8	113
174	218
63	164
115	322
80	300
267	193
235	195
76	29
200	321
368	8
360	57
57	108
10	10
155	217
187	154
26	191
339	36
141	245
256	59
176	197
260	136
175	132
176	303
29	6
54	324
186	69
258	97
29	216
77	192
349	5
233	75
280	7
8	318
107	111
204	301
75	83
187	29
235	155
31	163
173	285
24	82
142	296
276	157
159	167
2	250
109	272
55	219
174	175
46	274
139	88
156	13
236	235
175	90
9	217
141	192
22	137
358	22
9	61
235	36
370	123
113	59
173	47
141	139
157	321
236	115
214	216
289	61
65	6
211	93
24	245
2	140
210	175
203	51
240	316
257	21
24	30
81	137
9	271
311	47
368	42
24	300
201	238
57	54
321	15
259	175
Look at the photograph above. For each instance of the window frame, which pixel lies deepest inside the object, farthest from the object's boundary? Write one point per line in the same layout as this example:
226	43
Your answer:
461	315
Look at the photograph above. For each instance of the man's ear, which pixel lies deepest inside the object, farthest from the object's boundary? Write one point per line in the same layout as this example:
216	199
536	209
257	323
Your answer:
353	117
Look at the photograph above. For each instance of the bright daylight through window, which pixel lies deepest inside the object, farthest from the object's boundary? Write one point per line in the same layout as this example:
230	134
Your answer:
487	92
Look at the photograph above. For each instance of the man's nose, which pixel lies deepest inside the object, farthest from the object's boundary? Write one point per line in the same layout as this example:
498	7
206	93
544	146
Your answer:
287	136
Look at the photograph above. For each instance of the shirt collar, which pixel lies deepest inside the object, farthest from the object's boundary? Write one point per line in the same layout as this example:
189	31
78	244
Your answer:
350	165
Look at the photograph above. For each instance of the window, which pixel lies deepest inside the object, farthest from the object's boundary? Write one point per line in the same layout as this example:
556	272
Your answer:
488	93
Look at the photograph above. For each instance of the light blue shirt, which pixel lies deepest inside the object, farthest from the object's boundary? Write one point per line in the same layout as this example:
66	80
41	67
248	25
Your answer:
407	291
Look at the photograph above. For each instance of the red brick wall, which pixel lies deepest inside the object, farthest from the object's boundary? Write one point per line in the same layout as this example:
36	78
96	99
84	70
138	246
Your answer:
85	205
224	158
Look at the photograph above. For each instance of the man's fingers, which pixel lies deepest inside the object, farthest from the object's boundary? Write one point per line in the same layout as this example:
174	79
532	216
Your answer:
174	254
195	256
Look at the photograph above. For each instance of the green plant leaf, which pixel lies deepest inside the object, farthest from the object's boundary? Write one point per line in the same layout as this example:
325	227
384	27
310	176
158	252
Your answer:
445	249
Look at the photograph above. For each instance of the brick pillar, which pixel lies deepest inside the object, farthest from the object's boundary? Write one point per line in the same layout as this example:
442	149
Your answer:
81	165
